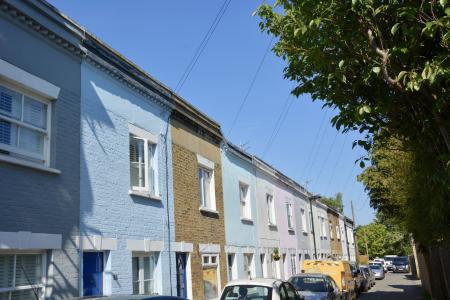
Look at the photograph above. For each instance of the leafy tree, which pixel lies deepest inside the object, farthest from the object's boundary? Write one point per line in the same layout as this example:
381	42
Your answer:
334	202
385	65
373	236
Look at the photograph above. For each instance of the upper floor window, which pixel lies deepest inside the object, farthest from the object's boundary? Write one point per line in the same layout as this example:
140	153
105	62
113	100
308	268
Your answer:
324	227
304	222
207	191
338	232
244	195
24	126
331	231
143	161
290	217
270	209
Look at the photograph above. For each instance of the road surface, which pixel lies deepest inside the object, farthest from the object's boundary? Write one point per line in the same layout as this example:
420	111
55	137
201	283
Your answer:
397	286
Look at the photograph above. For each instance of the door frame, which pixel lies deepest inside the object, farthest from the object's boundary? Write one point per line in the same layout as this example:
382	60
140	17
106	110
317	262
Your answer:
105	256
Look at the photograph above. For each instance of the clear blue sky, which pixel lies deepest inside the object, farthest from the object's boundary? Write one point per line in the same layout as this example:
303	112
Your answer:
162	36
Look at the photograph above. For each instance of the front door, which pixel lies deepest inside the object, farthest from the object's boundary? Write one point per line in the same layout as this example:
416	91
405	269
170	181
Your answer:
93	273
181	275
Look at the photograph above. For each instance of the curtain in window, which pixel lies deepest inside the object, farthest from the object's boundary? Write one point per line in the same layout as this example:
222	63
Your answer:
137	162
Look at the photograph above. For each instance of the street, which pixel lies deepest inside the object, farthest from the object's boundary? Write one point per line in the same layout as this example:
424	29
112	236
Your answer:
395	286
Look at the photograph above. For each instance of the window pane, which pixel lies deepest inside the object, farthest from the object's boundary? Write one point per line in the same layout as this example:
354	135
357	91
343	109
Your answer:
4	296
31	140
135	270
35	113
152	167
8	133
10	103
137	162
200	187
146	268
28	269
6	270
25	295
207	188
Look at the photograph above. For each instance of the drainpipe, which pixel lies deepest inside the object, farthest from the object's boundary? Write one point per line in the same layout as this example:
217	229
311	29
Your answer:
167	202
311	199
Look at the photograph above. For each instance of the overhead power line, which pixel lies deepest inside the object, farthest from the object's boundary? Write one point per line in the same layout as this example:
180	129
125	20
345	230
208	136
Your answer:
251	86
279	123
328	156
338	160
202	45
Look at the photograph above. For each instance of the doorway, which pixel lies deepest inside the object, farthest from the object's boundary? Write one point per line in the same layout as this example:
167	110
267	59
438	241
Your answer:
181	275
93	274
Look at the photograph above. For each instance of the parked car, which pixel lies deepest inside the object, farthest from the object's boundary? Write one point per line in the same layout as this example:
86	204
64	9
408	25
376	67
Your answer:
339	270
264	288
138	297
400	264
377	270
389	259
383	263
358	277
315	287
369	275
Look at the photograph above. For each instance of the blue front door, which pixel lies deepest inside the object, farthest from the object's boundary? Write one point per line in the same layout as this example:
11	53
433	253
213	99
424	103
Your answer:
93	273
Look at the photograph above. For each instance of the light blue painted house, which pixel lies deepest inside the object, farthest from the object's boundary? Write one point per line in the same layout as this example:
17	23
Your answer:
239	194
126	203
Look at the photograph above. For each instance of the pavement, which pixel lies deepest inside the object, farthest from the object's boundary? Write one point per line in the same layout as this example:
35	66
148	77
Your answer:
395	286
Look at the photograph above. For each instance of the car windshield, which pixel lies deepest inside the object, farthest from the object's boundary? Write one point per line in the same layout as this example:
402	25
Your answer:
312	284
400	261
248	292
375	267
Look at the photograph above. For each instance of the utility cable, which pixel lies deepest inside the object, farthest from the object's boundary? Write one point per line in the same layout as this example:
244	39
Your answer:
202	45
251	85
315	151
338	160
328	156
279	123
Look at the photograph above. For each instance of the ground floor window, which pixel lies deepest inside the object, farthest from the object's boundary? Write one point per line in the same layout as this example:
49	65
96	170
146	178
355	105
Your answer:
249	267
231	260
263	265
293	265
210	263
21	276
144	270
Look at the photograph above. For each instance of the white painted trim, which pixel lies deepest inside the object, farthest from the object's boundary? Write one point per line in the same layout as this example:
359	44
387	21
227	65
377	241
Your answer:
208	210
209	248
28	81
140	132
29	240
231	249
95	243
182	247
28	164
145	245
189	276
144	194
205	162
248	250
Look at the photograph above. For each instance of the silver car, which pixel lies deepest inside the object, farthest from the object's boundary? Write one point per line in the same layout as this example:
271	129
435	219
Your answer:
315	286
377	270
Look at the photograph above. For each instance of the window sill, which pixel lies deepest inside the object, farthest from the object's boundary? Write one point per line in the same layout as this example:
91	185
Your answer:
144	195
273	226
246	220
291	230
305	232
208	210
24	163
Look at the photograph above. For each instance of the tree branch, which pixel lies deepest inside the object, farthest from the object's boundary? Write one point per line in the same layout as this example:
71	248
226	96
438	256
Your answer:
385	61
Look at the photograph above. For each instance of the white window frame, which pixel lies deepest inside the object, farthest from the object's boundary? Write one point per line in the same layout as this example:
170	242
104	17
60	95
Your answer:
141	280
203	190
232	270
149	141
245	205
263	260
23	155
40	286
331	230
304	221
324	228
293	264
251	268
270	203
338	233
290	216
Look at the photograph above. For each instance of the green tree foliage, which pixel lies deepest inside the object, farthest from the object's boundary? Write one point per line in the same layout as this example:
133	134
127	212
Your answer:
395	182
381	240
334	202
385	65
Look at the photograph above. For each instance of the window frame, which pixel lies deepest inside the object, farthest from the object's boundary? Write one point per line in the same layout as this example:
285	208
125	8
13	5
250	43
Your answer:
251	267
304	221
292	258
272	221
330	225
151	187
290	216
24	155
212	197
141	272
338	232
246	213
40	286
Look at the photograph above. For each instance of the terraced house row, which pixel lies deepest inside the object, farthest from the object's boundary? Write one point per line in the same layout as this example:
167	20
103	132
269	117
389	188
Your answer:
127	188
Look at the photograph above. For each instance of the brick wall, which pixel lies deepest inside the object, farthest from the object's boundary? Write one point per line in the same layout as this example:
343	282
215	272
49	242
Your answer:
191	225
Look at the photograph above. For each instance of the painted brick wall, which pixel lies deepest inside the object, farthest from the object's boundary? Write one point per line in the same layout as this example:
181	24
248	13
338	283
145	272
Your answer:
34	200
191	225
107	209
